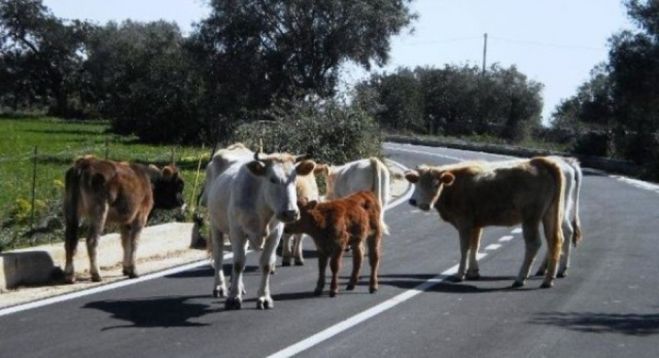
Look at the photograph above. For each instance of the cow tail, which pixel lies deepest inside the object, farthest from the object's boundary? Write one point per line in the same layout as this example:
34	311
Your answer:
381	188
576	221
72	188
557	205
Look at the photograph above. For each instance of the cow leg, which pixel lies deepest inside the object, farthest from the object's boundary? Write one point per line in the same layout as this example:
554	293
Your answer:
96	229
568	231
335	266
70	246
217	240
286	254
268	260
374	260
532	245
235	299
554	238
473	272
322	267
127	245
297	249
357	257
464	250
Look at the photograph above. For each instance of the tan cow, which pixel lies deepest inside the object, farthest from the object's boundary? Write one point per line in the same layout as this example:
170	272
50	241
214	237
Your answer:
307	189
472	195
117	192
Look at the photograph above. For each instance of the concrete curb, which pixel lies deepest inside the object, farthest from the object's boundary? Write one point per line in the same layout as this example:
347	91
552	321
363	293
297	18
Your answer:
38	265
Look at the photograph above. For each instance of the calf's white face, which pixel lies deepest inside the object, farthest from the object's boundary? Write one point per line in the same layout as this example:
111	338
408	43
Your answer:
428	185
278	183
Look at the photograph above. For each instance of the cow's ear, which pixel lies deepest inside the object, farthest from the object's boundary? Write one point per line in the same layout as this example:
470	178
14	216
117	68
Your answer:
257	167
167	171
412	176
446	178
305	167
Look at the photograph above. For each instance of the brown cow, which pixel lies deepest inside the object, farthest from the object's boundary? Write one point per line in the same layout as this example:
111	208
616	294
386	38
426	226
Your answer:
337	223
472	195
117	192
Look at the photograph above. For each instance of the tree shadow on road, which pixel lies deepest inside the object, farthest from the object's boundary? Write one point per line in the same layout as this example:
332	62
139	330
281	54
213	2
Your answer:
591	322
173	311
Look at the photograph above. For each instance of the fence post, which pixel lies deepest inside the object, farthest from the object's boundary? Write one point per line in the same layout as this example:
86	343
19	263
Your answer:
34	186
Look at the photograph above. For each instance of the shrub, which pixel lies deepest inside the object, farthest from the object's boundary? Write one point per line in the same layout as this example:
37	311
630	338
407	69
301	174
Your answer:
330	132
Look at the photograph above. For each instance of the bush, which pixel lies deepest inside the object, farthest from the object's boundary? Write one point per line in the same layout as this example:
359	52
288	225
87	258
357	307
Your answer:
594	143
330	132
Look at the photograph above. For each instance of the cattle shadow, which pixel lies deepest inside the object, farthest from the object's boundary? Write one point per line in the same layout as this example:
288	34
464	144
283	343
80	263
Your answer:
164	312
410	281
62	131
294	296
591	322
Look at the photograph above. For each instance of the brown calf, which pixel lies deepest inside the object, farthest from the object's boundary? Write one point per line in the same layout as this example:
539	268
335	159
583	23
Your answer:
337	223
117	192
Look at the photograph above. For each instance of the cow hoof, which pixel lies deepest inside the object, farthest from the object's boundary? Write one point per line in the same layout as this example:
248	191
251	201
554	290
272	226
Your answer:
233	303
473	275
547	284
350	287
332	294
264	303
285	263
518	284
96	277
562	274
455	278
217	293
299	262
273	271
372	290
69	278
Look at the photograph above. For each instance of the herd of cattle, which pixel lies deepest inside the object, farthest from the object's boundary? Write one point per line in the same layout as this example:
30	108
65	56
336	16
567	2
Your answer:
256	199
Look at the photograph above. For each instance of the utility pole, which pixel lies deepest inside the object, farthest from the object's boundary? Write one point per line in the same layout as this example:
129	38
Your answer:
484	52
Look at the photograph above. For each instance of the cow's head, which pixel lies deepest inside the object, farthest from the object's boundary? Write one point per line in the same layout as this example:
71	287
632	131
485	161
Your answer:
168	188
428	184
301	225
277	173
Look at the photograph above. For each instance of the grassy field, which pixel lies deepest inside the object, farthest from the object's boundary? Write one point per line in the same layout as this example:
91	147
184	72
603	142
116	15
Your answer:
58	143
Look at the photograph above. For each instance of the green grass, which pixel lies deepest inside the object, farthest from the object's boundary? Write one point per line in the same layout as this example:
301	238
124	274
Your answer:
58	143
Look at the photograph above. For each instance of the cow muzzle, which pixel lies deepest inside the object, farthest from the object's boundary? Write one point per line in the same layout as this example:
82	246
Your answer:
422	206
289	216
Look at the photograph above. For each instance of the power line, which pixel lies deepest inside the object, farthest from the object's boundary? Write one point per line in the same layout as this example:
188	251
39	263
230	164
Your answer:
547	44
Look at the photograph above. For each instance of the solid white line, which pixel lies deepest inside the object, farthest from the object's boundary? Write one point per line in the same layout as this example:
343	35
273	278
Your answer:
637	183
516	231
492	247
363	316
107	287
506	238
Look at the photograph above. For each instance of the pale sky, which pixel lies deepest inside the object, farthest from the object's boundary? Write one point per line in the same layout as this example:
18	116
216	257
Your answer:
555	42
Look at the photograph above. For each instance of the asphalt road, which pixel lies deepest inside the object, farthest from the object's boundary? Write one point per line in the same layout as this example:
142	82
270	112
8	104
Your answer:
608	306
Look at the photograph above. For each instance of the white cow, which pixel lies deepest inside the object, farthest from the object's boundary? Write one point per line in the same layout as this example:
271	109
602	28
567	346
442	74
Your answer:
364	174
571	222
252	200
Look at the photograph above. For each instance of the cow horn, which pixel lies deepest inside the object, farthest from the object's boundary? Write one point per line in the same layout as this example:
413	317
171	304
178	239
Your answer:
256	154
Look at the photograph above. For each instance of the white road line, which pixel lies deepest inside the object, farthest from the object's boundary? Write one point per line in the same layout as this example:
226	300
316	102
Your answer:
492	247
637	183
506	238
107	287
517	230
363	316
